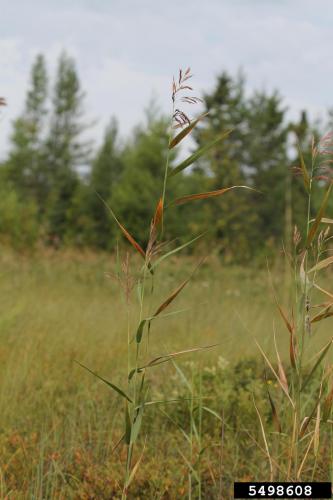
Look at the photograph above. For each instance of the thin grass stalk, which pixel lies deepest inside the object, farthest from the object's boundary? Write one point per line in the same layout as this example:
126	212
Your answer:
191	435
221	458
200	431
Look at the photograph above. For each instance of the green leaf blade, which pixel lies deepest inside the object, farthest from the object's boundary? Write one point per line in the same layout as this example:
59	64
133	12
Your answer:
107	382
195	156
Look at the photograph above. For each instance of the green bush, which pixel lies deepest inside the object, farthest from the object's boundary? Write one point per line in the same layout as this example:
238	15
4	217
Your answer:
18	221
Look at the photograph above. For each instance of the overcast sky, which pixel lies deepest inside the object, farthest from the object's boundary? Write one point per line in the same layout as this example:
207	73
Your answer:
127	51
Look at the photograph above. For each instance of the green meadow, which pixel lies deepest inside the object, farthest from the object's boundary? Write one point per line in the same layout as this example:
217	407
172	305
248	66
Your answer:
60	426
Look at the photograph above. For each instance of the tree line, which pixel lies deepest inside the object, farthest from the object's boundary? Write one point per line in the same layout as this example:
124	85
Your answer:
55	187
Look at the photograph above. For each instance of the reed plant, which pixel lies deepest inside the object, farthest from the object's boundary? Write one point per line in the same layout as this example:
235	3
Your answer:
301	406
136	391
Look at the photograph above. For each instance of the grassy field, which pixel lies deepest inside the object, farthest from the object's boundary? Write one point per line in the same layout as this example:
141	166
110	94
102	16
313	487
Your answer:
59	425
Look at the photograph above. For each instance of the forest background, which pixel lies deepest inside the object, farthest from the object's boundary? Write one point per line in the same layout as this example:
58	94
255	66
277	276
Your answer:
55	184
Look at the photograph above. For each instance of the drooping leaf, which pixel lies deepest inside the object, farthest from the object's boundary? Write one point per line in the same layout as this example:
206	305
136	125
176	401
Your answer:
195	156
127	235
168	357
276	375
326	313
322	264
176	292
113	386
209	194
186	436
171	298
132	241
182	376
187	130
209	410
329	294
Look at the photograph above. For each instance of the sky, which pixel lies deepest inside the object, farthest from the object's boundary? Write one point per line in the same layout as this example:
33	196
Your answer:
127	51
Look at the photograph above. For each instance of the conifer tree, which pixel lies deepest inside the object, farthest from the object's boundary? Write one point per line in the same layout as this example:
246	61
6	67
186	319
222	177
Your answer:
65	149
265	155
26	165
224	164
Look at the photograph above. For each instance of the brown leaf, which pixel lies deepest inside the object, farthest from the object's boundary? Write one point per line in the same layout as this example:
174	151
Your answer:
326	313
322	264
171	298
329	294
131	240
124	231
209	194
158	217
158	213
285	319
176	292
290	326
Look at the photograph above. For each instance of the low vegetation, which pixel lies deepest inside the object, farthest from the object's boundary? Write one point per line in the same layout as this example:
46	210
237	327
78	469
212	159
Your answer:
128	395
59	425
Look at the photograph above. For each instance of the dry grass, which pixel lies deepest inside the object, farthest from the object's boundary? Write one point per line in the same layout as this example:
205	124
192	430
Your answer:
59	425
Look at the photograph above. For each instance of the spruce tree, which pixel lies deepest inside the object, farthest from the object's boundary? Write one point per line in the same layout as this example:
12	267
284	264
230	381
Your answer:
265	155
65	149
26	166
224	165
255	154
